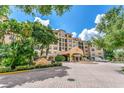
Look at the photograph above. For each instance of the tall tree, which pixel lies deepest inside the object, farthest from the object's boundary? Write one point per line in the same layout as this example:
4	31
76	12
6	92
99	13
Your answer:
4	10
112	25
51	39
21	51
4	27
43	36
44	9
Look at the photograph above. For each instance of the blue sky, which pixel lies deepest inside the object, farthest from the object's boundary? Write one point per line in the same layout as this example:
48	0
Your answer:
75	20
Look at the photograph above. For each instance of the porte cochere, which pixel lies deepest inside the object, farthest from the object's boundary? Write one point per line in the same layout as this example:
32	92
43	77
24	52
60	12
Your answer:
73	55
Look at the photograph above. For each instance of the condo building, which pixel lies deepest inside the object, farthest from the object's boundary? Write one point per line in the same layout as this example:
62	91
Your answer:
96	53
74	49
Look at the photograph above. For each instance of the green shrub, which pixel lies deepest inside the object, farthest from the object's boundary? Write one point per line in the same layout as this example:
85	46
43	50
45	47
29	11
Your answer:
122	68
26	67
109	58
6	62
36	56
17	54
48	65
5	69
59	58
57	64
41	66
29	67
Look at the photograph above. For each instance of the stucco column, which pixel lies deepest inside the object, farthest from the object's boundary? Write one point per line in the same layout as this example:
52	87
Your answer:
78	59
70	58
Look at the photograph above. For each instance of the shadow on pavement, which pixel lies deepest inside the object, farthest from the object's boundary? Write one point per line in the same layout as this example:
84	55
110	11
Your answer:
12	80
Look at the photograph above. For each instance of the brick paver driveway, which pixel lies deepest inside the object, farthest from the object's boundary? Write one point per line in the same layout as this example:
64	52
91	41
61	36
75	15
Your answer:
72	75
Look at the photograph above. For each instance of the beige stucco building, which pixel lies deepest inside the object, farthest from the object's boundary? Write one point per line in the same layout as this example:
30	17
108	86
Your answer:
96	53
74	49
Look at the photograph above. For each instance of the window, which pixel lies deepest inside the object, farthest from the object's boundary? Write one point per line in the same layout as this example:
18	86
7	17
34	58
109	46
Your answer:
98	49
59	44
63	35
59	48
60	39
55	48
63	44
93	54
73	45
93	49
65	40
70	45
69	40
55	52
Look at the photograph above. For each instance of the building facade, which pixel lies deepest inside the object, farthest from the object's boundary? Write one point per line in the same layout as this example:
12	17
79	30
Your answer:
96	53
67	45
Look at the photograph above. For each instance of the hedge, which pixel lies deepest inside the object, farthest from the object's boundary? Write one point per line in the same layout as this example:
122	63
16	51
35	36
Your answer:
59	58
5	69
49	65
28	67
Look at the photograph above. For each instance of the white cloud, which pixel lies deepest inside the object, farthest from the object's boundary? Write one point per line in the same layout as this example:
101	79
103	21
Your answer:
88	34
98	18
74	34
43	22
56	29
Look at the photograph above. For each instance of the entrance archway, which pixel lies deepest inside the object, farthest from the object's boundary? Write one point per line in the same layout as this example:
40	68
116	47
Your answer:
77	57
73	55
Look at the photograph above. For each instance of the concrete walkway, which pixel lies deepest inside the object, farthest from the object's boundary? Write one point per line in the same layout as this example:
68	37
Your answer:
71	75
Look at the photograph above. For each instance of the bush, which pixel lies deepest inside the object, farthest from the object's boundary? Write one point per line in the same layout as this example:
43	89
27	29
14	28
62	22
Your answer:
6	62
26	67
48	65
57	64
5	69
17	53
59	58
41	66
109	58
122	68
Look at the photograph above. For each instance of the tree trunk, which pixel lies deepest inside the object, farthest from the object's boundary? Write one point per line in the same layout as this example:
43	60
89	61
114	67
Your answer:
3	39
47	51
41	52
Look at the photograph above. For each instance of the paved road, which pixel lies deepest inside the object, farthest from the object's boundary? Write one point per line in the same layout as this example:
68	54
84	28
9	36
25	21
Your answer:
71	75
